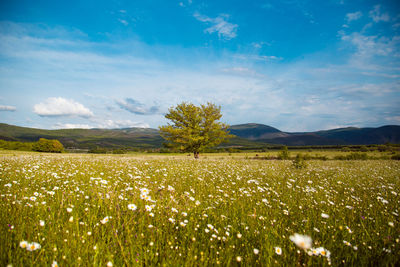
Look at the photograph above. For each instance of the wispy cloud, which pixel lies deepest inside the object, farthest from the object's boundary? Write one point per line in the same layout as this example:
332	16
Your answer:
7	108
105	124
373	45
377	15
58	106
114	124
242	71
72	126
123	22
185	3
136	107
39	31
256	57
220	25
372	51
395	119
353	16
259	45
292	96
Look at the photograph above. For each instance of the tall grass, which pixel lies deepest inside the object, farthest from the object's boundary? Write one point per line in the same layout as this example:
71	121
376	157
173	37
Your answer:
196	212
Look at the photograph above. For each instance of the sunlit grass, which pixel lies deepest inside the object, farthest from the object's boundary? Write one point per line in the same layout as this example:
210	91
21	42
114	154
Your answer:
94	210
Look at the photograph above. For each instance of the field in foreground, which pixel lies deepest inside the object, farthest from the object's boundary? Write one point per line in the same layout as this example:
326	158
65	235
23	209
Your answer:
97	210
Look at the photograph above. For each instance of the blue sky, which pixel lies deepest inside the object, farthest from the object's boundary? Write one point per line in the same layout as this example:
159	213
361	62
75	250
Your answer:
294	65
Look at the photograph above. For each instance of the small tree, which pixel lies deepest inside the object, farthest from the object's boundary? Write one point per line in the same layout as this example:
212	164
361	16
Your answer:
194	128
284	154
299	162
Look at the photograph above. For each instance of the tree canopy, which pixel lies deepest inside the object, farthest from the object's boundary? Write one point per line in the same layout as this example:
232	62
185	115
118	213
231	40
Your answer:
46	145
194	128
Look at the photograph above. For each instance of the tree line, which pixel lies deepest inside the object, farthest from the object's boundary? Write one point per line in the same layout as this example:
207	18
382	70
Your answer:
42	145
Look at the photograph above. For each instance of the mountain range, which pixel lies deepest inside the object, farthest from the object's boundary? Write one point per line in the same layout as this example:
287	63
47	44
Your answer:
250	135
341	136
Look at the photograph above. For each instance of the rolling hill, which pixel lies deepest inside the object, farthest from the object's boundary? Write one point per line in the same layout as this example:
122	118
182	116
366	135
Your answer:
341	136
249	135
86	138
254	131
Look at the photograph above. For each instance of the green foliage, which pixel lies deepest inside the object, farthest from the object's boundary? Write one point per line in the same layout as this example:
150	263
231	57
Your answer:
119	151
43	145
284	154
352	156
386	148
194	128
87	138
145	139
16	145
165	150
345	149
46	145
98	150
233	150
396	157
299	162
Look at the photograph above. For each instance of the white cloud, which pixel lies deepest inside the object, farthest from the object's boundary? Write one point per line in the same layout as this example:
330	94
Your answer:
102	124
188	3
368	89
136	107
371	45
247	86
242	71
72	126
220	25
123	22
58	106
394	119
377	16
39	34
353	16
111	124
257	57
259	45
373	52
7	108
239	70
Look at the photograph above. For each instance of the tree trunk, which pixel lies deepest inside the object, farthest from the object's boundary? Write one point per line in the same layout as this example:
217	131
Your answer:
196	154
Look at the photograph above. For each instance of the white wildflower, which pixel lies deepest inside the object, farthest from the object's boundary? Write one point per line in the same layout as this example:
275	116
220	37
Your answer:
302	241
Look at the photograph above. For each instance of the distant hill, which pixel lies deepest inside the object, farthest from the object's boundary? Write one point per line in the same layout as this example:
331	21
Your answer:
254	131
249	135
351	135
86	138
342	136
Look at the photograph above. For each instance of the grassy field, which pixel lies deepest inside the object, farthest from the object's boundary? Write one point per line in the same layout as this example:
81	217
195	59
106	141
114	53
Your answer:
147	210
312	153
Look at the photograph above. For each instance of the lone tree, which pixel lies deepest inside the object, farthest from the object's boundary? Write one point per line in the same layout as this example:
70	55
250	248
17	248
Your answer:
194	128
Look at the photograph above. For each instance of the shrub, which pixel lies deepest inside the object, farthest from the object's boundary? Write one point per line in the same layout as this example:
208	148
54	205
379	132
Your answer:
396	157
98	150
16	145
284	154
118	151
46	145
299	162
353	156
345	149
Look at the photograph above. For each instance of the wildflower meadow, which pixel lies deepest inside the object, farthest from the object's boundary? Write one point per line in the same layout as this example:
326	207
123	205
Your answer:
123	210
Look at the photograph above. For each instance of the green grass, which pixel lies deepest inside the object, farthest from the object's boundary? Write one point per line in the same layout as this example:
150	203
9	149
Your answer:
222	208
